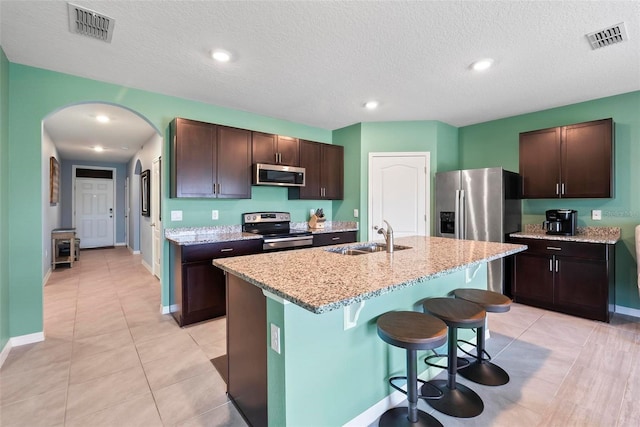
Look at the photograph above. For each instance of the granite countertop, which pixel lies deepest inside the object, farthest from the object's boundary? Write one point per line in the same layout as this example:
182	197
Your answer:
320	281
602	235
227	233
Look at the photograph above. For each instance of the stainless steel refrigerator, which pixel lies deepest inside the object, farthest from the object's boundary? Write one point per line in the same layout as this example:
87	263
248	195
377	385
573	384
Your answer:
479	204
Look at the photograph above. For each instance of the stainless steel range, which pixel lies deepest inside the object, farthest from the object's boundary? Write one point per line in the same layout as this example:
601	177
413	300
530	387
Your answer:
275	228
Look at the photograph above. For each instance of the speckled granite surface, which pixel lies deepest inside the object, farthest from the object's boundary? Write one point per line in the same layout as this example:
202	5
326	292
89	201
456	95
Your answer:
329	227
602	235
199	235
321	281
226	233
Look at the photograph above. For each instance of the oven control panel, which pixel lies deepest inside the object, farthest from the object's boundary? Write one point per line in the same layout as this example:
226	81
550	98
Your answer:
257	217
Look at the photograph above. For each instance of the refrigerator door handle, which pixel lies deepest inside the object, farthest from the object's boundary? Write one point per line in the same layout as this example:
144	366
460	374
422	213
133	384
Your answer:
460	215
456	216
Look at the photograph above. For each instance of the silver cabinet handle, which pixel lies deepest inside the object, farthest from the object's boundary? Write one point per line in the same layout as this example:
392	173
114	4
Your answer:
553	248
218	188
557	189
335	238
557	265
226	250
551	264
562	191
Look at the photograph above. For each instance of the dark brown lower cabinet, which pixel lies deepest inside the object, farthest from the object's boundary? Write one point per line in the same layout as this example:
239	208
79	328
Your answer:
570	277
334	238
199	287
247	349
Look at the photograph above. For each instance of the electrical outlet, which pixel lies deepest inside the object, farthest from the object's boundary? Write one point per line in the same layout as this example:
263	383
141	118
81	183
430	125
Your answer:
596	215
355	213
214	214
312	212
275	338
176	215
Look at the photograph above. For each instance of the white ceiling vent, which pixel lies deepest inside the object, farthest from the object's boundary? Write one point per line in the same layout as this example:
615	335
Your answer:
89	23
608	36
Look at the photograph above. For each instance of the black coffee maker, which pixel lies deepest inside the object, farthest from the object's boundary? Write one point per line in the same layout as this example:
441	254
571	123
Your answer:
561	222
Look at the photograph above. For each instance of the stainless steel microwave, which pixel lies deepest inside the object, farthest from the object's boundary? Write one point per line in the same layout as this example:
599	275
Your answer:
286	176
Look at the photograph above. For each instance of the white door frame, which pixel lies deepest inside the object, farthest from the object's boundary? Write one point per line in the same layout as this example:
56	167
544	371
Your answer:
156	224
427	207
126	213
115	202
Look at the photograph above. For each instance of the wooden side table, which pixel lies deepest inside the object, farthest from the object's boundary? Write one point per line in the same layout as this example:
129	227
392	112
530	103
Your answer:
57	235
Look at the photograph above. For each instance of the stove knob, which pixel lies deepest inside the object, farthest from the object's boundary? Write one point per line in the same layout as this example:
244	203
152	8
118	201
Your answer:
254	217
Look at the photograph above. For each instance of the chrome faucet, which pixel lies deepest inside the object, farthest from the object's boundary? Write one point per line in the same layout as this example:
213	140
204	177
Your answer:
388	235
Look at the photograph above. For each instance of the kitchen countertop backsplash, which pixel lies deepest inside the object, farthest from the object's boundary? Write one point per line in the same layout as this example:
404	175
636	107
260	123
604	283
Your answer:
603	235
228	233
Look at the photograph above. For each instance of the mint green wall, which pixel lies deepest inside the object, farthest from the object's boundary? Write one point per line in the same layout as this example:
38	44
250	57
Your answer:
4	200
435	137
35	93
350	138
332	375
495	143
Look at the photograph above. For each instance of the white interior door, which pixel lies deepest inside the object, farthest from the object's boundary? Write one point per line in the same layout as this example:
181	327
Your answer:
399	193
94	212
156	225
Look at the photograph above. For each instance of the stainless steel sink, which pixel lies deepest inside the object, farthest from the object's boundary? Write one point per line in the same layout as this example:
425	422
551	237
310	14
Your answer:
369	248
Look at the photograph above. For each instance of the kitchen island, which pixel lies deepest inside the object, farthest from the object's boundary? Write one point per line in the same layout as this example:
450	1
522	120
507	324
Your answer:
301	332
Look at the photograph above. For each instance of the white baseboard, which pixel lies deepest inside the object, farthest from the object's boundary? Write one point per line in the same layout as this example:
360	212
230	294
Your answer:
132	251
120	244
5	352
27	339
168	309
633	312
47	275
147	266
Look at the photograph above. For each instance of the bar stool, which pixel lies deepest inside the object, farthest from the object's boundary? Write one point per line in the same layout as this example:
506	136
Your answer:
457	400
412	331
481	370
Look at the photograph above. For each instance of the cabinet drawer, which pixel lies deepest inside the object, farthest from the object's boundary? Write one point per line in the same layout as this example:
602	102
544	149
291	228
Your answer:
325	239
569	249
209	251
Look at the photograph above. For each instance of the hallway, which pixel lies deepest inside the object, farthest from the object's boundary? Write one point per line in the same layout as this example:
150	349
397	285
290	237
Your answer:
109	357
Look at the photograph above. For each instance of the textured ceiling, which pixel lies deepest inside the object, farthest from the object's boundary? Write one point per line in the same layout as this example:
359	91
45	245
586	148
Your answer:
316	62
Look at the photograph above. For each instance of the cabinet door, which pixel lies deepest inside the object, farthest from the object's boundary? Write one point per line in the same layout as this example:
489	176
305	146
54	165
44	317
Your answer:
194	157
587	159
204	295
288	150
332	172
234	163
264	147
533	275
540	163
581	287
310	160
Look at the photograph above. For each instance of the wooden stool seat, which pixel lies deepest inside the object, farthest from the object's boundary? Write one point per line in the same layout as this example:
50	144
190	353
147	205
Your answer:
412	331
492	302
480	369
457	400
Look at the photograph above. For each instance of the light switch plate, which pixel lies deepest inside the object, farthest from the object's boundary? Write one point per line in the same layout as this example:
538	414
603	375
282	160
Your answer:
214	214
356	213
596	215
275	338
176	215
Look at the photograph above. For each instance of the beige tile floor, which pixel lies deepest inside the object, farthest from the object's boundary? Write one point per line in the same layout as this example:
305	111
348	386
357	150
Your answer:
110	359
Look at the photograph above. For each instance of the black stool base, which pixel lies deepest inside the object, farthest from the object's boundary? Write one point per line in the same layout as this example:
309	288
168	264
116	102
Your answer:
398	417
461	402
485	373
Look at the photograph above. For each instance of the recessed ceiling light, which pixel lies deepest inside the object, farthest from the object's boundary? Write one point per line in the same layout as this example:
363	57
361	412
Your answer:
102	118
371	105
98	148
482	64
221	55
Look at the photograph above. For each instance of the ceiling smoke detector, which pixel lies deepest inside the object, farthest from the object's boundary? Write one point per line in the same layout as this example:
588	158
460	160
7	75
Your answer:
608	36
89	23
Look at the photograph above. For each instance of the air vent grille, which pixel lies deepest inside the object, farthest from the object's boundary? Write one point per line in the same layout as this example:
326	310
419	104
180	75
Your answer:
612	35
89	23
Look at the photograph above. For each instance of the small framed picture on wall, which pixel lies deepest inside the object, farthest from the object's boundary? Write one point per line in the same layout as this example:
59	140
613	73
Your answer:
54	181
145	193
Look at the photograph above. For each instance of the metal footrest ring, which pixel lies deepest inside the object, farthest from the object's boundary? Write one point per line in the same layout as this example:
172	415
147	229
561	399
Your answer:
462	362
438	392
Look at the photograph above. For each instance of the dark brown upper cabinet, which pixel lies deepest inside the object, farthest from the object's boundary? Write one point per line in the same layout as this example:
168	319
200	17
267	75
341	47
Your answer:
210	161
324	176
275	149
574	161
